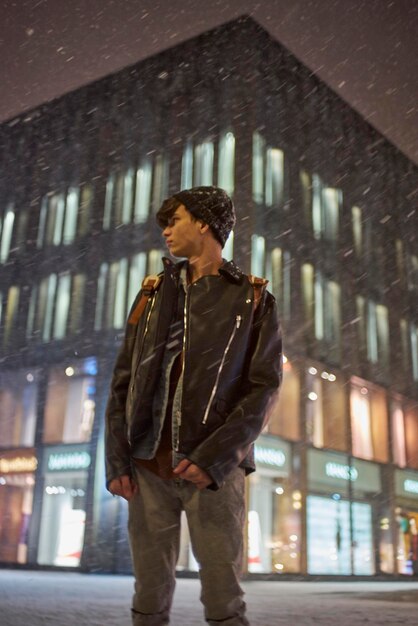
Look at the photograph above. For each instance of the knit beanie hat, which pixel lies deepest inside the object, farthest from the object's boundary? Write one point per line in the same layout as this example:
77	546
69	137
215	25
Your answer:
213	206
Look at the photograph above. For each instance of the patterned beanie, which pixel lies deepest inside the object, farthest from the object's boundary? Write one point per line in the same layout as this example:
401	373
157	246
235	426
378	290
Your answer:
213	206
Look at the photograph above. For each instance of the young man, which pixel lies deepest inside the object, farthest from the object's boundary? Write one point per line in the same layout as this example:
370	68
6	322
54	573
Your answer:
192	384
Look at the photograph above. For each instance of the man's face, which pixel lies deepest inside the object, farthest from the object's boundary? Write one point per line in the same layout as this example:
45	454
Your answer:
183	234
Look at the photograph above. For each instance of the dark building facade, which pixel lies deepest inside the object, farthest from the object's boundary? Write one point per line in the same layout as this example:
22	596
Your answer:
326	210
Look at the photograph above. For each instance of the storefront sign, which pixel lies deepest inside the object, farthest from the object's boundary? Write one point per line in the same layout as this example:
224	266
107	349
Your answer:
406	484
67	461
330	471
268	456
411	486
337	470
272	453
13	465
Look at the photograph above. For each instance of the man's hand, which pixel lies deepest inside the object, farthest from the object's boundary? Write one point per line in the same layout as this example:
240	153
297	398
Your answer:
123	486
189	471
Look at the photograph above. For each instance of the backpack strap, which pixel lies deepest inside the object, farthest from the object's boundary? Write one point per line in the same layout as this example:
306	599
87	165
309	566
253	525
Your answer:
150	285
259	287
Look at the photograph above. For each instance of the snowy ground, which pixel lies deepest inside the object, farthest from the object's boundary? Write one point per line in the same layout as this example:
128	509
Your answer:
29	598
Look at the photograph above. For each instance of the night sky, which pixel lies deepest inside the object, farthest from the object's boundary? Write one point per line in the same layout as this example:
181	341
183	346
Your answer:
366	50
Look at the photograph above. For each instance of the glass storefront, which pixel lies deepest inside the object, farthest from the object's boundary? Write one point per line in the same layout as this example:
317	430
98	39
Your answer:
329	536
340	535
63	514
273	522
406	514
273	510
16	494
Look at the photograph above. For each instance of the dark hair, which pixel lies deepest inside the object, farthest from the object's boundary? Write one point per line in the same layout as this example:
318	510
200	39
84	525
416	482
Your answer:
167	210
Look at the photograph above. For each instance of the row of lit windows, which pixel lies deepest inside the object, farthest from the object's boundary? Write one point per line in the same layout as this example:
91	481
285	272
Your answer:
365	425
69	404
322	309
56	305
131	195
322	207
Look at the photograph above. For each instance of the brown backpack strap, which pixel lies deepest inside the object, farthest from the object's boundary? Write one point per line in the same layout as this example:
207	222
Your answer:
149	286
259	286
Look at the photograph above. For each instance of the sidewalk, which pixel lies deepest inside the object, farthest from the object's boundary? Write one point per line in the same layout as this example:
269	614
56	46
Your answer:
33	598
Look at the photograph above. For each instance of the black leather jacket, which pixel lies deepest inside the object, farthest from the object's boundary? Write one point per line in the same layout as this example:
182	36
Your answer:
232	372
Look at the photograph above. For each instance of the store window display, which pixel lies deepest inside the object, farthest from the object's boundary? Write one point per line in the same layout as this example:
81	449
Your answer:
18	397
407	541
70	402
17	469
63	506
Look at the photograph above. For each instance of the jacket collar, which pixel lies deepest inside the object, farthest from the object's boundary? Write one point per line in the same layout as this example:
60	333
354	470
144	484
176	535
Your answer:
229	269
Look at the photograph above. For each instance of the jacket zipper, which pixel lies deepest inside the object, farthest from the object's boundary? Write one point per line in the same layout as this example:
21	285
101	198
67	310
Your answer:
237	324
178	415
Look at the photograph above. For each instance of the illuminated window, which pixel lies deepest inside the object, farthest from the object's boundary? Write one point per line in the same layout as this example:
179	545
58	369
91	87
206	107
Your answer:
30	322
70	403
143	192
400	261
356	220
377	334
285	414
62	306
326	419
137	272
6	232
413	272
55	219
403	331
40	240
11	313
279	274
203	164
308	293
160	182
228	249
85	209
226	164
154	261
259	148
187	167
111	301
327	313
411	434
119	198
71	212
373	330
414	350
100	297
46	304
128	190
18	395
120	290
21	229
326	203
274	177
332	200
306	189
398	434
369	421
77	303
258	254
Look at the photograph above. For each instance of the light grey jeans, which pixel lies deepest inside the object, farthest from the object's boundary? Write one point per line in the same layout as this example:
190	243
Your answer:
215	519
